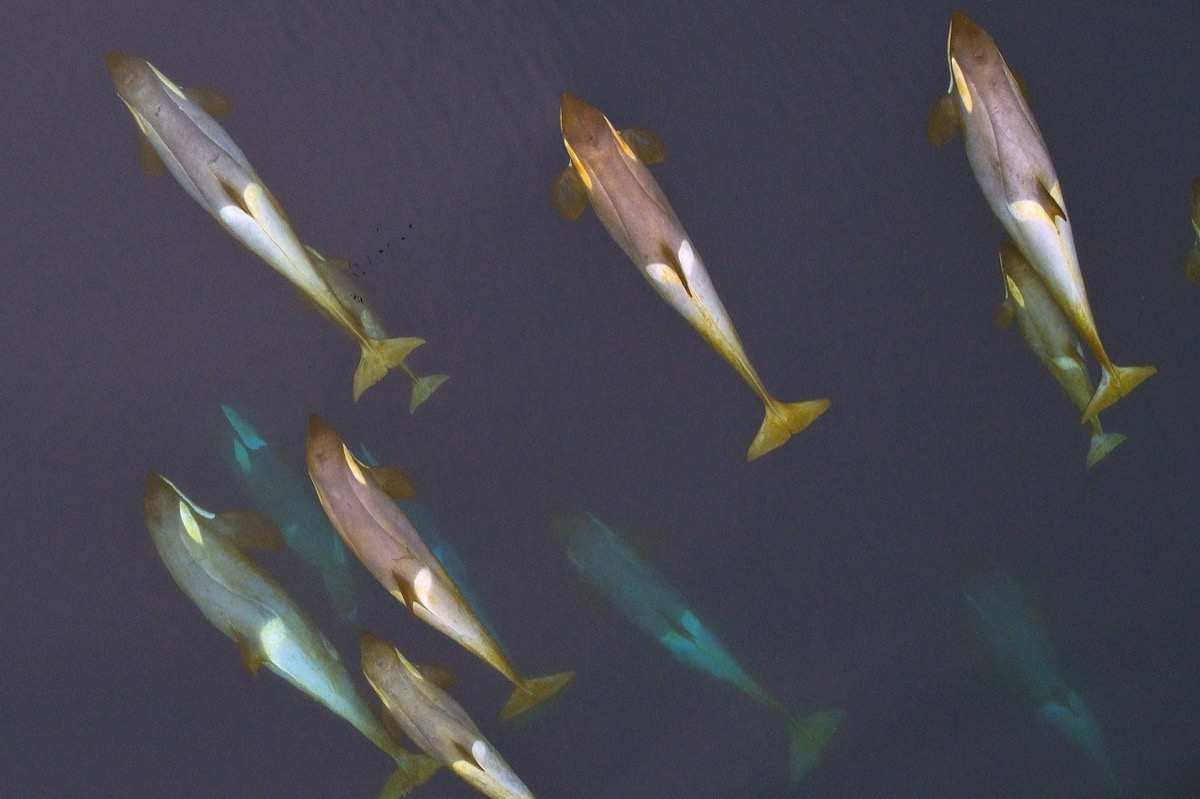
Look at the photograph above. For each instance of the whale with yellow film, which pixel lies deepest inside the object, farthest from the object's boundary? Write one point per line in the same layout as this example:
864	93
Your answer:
1050	336
180	134
608	169
205	554
1009	158
435	722
385	540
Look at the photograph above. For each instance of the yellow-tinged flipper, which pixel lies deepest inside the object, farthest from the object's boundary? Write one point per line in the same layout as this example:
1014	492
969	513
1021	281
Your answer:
532	692
395	483
943	122
443	677
569	193
248	530
782	421
214	101
148	158
406	777
1005	314
645	144
1191	266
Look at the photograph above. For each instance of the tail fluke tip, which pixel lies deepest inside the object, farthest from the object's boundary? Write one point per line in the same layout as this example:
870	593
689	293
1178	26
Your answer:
1114	385
1102	444
423	387
810	736
378	356
531	693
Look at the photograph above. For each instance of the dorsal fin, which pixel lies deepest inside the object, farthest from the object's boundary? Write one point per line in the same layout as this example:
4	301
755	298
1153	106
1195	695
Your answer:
467	755
669	258
235	195
676	625
407	595
1048	203
252	656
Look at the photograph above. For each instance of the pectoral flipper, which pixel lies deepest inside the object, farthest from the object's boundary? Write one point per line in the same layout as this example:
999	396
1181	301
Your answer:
570	195
645	144
943	123
415	771
1191	266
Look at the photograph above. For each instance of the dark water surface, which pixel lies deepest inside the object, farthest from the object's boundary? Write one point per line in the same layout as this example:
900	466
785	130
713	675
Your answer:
858	262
